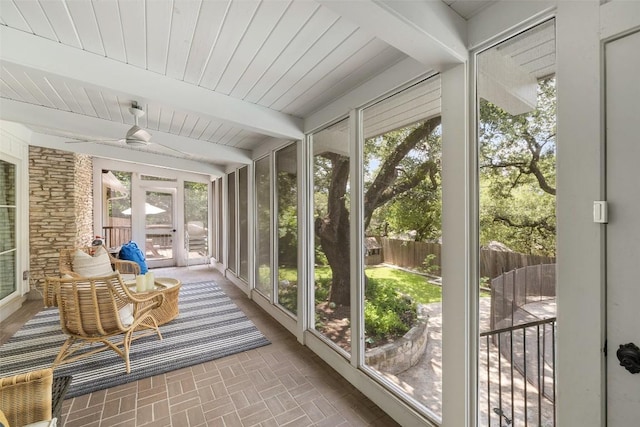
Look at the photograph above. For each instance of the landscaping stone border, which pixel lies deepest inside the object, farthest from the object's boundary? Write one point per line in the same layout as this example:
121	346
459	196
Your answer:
400	355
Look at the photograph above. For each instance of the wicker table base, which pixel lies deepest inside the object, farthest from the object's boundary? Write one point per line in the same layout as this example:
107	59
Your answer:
169	308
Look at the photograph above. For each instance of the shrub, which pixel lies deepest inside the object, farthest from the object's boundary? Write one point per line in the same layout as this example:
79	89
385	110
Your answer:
388	314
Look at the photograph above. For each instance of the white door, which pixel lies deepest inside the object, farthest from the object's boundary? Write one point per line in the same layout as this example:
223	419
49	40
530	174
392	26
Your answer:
160	228
623	231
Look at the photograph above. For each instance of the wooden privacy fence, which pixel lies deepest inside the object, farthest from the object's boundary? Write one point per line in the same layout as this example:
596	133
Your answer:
410	254
495	263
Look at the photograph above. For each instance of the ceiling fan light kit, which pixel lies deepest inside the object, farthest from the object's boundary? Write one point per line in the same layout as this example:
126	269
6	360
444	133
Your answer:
136	136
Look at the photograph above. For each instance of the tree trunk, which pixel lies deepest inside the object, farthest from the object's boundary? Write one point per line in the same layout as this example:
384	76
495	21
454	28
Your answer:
333	230
338	255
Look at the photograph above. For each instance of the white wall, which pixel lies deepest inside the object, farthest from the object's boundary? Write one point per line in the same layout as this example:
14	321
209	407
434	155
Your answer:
14	148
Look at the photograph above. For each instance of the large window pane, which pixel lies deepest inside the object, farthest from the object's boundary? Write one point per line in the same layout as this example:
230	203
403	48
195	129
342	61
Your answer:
116	217
215	219
287	208
331	225
263	227
243	221
402	218
220	241
517	169
8	283
231	224
196	220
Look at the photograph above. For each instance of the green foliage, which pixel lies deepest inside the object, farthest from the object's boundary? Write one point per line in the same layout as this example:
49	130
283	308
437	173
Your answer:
196	202
119	202
287	218
387	313
264	276
428	265
322	283
288	288
391	298
485	282
419	208
523	219
320	257
517	175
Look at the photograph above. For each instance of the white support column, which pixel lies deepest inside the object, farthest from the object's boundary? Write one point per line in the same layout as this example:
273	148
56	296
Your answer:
458	254
580	180
356	228
305	239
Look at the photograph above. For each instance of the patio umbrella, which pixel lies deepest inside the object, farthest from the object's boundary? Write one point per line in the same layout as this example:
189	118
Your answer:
148	210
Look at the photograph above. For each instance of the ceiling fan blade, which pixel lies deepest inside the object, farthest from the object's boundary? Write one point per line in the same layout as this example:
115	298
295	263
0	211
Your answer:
78	141
171	148
137	133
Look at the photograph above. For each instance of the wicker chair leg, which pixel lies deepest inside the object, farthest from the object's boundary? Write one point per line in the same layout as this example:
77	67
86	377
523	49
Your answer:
62	354
127	345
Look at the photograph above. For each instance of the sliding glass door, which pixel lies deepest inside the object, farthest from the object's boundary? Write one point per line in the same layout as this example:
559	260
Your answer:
8	248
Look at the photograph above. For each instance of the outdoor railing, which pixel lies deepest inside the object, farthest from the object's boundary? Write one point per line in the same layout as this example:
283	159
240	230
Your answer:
115	236
519	364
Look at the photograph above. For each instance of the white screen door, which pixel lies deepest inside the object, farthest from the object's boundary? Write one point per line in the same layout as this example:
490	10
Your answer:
160	229
623	230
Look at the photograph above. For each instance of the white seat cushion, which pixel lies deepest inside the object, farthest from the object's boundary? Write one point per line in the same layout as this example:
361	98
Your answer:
126	315
92	266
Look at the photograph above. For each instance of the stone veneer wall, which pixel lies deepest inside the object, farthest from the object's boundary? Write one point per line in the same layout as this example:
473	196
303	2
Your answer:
60	206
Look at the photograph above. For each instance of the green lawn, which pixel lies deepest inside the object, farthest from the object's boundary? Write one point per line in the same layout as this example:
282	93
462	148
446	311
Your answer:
407	283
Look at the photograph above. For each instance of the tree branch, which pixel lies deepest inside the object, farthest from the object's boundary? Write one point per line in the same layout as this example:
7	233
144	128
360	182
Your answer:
542	224
382	188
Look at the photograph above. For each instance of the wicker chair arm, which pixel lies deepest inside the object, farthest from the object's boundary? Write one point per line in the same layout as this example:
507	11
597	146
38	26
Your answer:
125	267
151	296
27	398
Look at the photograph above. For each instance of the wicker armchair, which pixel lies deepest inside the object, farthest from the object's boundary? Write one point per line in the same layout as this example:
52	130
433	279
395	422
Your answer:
27	398
92	310
120	265
128	268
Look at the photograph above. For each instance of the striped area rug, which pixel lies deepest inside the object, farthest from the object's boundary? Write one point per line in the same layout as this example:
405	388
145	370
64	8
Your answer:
209	326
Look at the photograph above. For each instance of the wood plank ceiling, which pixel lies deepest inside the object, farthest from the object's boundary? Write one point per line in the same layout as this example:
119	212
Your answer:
291	57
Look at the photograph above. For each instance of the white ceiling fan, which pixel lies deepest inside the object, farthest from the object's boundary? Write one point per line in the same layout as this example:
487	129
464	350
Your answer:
135	137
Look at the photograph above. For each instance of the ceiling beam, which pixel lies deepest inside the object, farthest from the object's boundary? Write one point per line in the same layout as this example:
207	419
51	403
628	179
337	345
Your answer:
46	55
506	84
49	118
126	155
428	31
